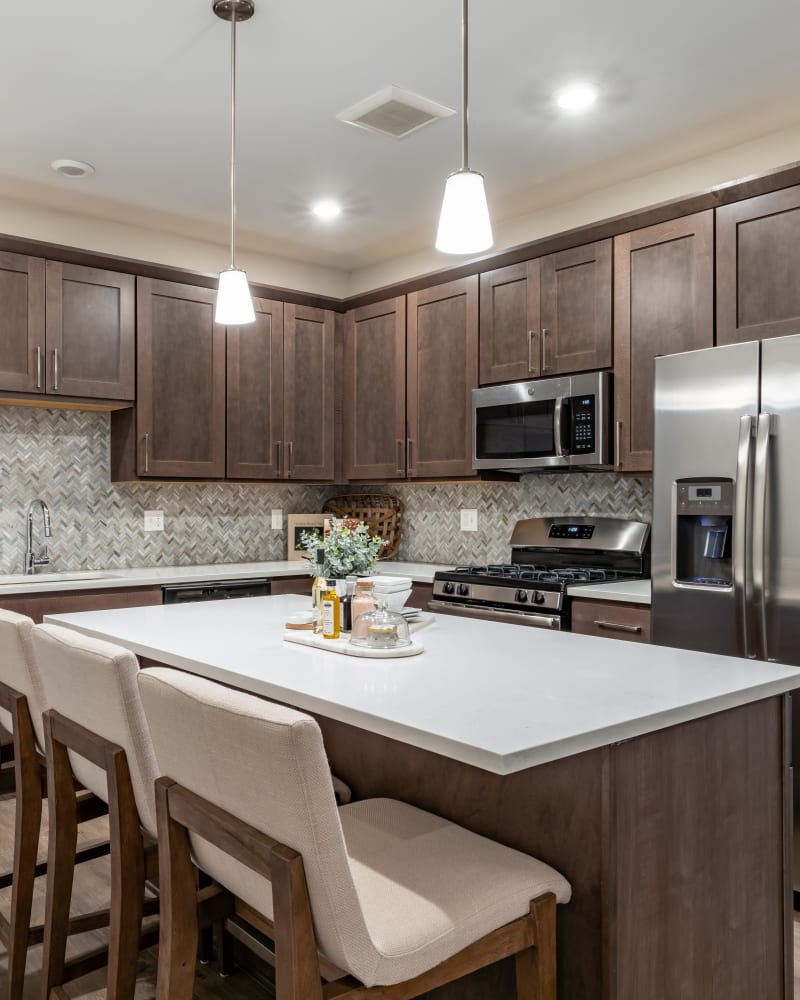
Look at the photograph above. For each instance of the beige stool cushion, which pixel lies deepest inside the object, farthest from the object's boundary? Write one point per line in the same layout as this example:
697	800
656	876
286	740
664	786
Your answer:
93	683
18	669
394	890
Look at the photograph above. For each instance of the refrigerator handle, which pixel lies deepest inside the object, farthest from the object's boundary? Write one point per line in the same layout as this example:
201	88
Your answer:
741	516
760	530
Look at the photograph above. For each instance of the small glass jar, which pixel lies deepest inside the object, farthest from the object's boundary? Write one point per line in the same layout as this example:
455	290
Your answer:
382	629
362	602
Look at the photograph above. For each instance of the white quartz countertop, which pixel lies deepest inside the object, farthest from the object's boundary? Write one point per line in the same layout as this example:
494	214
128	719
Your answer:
500	697
632	591
102	579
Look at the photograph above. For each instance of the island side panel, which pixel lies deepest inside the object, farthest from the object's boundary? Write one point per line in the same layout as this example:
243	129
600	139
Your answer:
556	812
699	840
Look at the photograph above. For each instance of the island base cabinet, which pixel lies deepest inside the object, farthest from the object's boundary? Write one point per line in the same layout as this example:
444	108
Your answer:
676	843
611	620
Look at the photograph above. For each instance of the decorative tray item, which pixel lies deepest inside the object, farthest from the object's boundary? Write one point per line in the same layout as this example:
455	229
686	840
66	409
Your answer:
346	647
381	512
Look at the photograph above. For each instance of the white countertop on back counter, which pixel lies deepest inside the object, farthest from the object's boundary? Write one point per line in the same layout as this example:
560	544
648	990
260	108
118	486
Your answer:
156	576
630	591
499	697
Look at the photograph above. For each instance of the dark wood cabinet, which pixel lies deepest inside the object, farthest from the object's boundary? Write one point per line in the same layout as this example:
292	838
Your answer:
663	304
180	383
510	332
375	391
611	619
442	371
255	395
758	267
22	323
91	332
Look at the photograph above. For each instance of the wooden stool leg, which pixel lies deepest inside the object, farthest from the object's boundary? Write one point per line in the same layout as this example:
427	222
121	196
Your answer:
536	967
178	933
28	821
61	847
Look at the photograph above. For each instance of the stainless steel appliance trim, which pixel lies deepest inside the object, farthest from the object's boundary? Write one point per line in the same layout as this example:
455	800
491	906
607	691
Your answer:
56	372
618	626
553	599
611	534
759	530
558	413
490	614
741	515
38	368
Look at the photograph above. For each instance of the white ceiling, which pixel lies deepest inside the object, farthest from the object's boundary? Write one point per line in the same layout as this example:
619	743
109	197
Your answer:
139	88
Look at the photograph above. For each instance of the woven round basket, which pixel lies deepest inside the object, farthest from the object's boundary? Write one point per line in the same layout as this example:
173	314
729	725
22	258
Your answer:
381	512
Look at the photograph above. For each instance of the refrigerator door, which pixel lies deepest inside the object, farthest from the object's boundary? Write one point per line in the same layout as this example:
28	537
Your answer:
776	532
705	405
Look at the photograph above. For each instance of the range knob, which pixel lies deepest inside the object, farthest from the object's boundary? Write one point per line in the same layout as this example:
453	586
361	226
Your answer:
521	596
538	597
463	590
449	587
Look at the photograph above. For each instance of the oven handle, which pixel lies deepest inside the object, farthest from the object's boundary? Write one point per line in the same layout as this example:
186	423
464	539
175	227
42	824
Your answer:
492	615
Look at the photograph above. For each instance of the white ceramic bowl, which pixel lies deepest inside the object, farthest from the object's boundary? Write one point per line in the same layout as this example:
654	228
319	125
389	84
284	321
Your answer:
396	600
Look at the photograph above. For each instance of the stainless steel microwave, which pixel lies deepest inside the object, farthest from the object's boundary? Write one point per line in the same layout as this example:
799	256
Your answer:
549	423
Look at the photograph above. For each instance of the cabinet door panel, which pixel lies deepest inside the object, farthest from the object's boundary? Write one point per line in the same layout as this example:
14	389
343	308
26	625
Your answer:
308	389
181	382
611	620
375	391
510	346
22	333
576	309
664	304
255	394
758	267
442	372
91	336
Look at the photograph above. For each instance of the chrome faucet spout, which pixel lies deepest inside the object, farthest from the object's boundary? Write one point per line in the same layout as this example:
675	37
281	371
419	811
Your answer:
34	559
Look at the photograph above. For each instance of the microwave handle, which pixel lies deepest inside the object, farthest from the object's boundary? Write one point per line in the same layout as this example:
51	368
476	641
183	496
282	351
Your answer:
557	424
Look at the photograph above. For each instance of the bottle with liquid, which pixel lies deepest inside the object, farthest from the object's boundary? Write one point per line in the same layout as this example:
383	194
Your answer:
347	603
362	602
331	612
318	588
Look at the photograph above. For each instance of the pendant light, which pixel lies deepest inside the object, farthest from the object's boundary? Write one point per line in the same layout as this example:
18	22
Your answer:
234	303
464	225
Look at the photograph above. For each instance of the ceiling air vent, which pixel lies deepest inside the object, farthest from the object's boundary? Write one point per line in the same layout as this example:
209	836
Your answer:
394	112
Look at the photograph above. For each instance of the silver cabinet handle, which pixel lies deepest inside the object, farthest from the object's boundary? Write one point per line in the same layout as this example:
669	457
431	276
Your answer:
619	627
147	453
545	366
289	458
55	369
400	456
278	469
531	338
38	368
618	444
760	529
741	516
409	467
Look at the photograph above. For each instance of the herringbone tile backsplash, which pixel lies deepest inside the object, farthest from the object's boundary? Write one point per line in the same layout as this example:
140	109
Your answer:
63	457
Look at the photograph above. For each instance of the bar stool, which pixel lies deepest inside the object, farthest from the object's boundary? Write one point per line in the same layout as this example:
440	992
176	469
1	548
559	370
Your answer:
378	897
21	702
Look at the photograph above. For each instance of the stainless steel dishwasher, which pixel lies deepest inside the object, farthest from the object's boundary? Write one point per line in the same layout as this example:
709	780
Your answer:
216	590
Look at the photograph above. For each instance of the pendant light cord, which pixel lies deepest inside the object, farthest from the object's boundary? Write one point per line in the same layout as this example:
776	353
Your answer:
233	136
464	86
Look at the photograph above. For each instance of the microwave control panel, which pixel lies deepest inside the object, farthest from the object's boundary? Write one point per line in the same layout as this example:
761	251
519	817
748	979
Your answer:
583	425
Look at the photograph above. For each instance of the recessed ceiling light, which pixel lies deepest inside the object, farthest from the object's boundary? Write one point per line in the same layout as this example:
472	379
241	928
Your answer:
72	168
327	208
576	97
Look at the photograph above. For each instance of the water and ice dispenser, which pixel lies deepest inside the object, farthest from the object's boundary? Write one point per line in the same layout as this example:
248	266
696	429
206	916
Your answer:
704	532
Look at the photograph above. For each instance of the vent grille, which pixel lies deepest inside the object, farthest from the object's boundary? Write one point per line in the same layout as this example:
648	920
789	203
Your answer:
394	112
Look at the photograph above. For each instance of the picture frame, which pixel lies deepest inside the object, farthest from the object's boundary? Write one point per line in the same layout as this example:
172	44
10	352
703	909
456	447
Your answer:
296	524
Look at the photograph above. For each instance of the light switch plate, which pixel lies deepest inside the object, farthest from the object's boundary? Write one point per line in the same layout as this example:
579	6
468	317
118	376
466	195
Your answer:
469	520
154	520
277	519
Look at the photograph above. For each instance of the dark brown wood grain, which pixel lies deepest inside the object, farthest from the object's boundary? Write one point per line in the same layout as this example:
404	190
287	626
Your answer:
663	304
442	371
375	391
22	322
37	605
91	332
308	392
255	395
611	619
510	332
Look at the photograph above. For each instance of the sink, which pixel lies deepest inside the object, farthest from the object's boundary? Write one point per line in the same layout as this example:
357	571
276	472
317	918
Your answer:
38	578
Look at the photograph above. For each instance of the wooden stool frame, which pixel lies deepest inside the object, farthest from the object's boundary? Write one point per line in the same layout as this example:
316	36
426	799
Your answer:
299	969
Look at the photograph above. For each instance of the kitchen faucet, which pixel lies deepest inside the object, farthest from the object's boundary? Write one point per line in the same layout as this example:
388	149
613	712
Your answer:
33	559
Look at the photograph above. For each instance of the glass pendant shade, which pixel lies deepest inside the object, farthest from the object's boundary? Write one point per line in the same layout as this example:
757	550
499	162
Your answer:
464	225
234	303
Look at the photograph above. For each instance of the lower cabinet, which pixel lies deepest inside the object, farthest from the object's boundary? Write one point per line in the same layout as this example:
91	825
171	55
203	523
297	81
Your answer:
63	602
611	619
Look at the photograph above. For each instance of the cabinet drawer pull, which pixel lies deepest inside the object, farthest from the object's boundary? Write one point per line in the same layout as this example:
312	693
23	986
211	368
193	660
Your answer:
147	453
56	367
278	458
545	366
38	368
531	338
399	456
618	445
289	458
409	467
618	627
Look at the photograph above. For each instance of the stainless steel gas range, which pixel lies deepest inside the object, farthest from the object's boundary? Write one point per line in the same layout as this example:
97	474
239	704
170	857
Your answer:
548	555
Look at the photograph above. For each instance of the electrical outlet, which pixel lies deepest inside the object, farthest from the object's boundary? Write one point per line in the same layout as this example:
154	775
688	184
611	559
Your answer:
154	520
469	520
277	519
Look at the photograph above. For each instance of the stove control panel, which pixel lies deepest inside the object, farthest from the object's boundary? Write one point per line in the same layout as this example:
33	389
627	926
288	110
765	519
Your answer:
499	595
571	531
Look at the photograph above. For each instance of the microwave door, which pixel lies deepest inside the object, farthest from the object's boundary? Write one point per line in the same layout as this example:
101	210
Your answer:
519	435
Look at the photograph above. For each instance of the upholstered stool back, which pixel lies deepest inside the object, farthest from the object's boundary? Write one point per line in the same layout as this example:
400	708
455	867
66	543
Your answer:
18	669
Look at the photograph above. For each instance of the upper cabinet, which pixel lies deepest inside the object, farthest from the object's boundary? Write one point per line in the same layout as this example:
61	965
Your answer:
375	391
442	371
758	267
663	304
66	330
549	316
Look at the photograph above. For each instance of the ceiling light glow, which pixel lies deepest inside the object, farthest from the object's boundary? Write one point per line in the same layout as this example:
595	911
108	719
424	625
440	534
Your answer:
72	168
326	209
577	97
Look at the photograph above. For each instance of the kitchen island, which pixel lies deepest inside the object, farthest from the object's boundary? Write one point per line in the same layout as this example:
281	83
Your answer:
655	779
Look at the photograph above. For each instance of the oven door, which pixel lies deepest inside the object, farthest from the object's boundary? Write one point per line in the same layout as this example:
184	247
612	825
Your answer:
520	426
530	618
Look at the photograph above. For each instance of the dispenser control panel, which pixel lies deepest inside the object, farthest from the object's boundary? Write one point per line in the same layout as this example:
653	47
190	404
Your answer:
705	498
